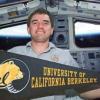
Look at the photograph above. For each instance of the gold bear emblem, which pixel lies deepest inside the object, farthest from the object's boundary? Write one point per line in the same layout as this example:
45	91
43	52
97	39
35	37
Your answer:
9	72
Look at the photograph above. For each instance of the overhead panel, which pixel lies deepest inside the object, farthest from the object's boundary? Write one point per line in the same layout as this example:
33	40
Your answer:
17	12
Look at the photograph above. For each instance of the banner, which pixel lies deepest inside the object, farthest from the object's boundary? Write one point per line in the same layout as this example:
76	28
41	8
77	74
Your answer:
23	78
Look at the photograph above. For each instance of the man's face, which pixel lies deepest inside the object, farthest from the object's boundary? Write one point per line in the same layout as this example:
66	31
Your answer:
40	28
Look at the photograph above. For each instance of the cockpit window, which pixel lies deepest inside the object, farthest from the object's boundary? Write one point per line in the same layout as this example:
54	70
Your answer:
13	36
87	34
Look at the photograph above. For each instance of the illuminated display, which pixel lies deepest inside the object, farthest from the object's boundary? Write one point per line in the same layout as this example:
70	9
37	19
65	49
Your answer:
13	14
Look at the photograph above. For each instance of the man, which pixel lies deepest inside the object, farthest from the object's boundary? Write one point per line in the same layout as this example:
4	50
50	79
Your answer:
40	26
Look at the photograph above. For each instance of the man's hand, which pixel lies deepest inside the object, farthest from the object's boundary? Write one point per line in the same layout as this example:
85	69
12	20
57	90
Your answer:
93	94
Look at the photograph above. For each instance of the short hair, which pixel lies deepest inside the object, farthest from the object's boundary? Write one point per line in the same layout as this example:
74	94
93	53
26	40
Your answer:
41	11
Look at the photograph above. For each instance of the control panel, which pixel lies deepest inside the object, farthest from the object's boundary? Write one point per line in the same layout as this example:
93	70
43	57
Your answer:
15	13
88	59
60	36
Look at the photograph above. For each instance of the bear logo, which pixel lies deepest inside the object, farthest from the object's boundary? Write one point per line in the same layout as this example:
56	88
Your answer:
9	72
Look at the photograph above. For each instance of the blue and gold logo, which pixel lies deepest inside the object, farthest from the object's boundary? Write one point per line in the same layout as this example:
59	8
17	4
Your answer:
14	75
